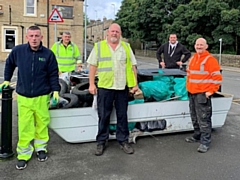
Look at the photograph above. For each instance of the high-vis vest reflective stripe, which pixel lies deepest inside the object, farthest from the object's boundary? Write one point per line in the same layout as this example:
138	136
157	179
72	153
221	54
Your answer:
105	65
66	56
201	80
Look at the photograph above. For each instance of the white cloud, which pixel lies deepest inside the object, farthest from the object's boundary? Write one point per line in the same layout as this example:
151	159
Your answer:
97	9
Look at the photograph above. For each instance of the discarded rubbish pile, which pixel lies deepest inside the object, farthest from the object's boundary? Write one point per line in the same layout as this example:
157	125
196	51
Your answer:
157	89
74	93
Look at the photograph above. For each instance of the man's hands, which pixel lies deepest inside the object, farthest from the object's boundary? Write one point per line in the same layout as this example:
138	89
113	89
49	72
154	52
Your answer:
162	64
92	72
92	89
208	94
55	97
179	63
79	67
5	84
134	89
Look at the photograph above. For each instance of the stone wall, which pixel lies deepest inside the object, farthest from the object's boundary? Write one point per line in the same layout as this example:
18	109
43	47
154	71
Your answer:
96	30
20	22
226	59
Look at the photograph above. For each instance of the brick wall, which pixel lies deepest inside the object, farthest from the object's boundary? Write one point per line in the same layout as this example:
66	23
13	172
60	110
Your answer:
21	22
226	59
96	30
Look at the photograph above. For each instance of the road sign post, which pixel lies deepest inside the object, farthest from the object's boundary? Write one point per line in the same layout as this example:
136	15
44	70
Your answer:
56	18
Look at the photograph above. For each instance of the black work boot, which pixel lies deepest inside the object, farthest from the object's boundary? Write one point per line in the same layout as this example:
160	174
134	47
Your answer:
100	149
21	164
191	139
127	148
203	148
42	156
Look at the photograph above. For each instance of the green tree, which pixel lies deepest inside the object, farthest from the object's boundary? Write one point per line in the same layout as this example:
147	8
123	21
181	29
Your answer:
144	19
154	20
126	18
231	30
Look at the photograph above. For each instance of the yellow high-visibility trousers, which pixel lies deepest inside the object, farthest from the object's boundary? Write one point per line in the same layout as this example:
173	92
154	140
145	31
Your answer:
33	120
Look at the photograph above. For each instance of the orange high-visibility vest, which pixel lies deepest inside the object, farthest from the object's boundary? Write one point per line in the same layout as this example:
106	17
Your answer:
203	74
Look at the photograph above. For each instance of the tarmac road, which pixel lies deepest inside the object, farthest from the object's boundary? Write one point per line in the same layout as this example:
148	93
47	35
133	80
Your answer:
161	157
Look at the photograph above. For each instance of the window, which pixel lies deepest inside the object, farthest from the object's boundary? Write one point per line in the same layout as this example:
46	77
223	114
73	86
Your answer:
9	38
30	7
65	11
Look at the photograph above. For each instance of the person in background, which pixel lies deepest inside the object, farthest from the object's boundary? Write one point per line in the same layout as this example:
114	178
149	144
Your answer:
172	54
115	63
203	80
37	77
67	54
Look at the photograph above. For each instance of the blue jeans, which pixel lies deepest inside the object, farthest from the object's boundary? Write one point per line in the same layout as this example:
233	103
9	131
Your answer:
106	98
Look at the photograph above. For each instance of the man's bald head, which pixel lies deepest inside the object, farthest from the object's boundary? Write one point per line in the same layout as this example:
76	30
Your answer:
115	26
201	45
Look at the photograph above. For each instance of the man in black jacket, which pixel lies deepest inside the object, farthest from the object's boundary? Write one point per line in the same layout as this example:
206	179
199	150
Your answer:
172	53
37	78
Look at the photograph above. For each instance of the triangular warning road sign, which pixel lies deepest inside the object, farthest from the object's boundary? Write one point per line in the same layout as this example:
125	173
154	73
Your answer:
55	16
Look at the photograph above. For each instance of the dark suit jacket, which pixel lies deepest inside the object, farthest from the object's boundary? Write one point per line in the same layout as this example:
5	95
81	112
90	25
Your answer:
170	58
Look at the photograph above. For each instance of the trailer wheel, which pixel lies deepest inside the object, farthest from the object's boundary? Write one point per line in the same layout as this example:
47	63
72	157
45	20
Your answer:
72	99
81	90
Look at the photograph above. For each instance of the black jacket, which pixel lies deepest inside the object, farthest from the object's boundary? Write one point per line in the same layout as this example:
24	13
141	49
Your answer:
37	70
170	59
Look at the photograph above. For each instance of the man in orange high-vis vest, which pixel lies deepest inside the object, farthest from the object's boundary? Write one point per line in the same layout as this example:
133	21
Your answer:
203	80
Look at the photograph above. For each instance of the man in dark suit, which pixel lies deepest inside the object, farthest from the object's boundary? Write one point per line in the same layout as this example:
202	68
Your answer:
172	52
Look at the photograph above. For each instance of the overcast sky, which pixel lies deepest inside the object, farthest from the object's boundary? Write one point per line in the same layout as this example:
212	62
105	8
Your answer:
97	9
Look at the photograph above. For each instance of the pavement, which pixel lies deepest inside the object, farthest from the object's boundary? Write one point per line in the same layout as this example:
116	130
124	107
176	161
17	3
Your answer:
156	157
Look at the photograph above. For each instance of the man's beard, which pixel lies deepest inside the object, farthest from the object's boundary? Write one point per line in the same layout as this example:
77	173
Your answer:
113	39
200	50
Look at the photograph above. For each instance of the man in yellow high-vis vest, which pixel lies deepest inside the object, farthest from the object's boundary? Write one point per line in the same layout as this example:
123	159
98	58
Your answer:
67	54
115	63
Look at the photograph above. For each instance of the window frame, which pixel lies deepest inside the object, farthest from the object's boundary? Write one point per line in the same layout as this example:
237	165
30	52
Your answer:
4	29
35	9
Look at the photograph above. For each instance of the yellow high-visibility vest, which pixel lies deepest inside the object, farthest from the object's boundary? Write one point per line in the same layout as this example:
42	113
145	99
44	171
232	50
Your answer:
67	57
105	65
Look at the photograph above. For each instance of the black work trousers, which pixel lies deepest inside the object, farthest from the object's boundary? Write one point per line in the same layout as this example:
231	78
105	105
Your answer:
201	113
106	98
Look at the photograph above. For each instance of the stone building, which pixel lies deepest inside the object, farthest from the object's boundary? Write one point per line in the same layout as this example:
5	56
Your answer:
96	30
17	15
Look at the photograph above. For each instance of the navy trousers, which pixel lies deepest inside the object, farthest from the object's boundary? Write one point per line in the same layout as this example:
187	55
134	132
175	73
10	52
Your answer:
106	99
201	113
